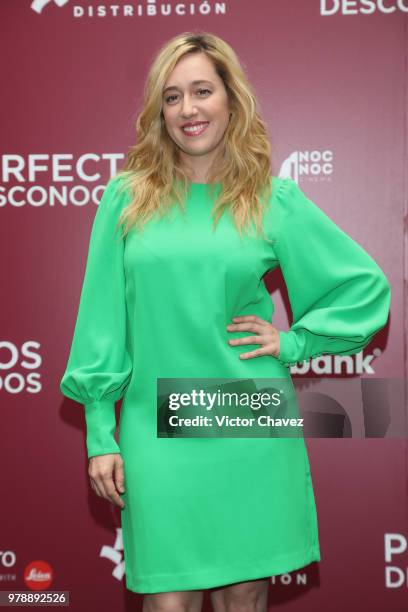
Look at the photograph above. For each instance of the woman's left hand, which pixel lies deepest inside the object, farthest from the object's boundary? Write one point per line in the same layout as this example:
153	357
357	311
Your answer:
267	335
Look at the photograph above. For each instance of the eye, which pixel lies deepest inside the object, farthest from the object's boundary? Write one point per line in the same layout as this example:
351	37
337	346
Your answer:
169	98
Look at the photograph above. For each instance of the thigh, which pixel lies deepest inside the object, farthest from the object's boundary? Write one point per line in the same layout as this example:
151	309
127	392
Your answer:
251	594
176	601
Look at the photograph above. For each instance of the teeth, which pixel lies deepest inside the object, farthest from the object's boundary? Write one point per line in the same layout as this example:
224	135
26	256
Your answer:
196	128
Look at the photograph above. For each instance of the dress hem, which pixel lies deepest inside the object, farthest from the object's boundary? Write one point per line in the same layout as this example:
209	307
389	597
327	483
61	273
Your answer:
215	578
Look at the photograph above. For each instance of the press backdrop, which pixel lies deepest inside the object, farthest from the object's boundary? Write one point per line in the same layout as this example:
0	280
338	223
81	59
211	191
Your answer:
331	79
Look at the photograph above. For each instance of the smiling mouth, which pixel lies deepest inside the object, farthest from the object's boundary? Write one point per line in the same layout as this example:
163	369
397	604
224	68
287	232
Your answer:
196	130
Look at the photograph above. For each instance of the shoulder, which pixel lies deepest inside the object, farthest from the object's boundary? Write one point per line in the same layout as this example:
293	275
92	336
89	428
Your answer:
115	195
284	188
278	182
116	185
291	211
287	198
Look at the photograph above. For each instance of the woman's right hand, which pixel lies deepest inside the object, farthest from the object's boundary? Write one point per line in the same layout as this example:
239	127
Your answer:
107	478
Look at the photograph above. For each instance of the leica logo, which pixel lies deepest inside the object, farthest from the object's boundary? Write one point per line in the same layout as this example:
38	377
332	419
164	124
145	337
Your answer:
38	5
38	576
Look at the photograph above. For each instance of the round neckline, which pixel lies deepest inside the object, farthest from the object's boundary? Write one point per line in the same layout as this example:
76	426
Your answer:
204	184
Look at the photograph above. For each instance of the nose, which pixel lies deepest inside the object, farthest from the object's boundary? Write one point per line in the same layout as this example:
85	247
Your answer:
188	109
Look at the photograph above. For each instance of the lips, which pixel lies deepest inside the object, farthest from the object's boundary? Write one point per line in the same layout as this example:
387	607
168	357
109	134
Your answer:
195	129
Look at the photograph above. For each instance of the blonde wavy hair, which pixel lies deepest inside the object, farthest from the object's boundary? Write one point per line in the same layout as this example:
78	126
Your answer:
152	173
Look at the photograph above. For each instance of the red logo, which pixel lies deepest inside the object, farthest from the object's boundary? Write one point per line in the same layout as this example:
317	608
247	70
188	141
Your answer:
38	575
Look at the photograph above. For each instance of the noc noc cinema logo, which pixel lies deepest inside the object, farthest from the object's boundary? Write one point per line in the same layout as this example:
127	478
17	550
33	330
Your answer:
38	5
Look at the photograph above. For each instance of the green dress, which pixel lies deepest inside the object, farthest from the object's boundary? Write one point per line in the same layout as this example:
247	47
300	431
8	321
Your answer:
202	512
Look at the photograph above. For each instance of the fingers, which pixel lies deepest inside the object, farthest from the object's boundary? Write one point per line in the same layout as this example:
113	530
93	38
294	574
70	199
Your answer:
111	492
251	323
119	476
251	326
250	340
101	470
256	353
267	336
269	347
95	488
250	319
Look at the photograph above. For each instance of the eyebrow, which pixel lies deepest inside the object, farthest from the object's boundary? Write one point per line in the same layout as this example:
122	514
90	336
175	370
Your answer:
197	82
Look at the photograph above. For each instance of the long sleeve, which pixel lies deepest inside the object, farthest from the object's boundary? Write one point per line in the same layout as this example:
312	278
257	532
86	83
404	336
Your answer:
339	296
99	365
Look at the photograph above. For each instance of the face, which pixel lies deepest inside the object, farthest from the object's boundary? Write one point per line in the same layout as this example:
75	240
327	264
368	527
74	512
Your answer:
194	94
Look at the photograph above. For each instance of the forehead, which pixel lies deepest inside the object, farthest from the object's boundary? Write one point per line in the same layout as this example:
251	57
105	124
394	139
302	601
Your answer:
192	67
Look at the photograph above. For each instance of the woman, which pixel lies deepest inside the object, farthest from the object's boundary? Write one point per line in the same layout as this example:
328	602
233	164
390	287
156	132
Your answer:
179	295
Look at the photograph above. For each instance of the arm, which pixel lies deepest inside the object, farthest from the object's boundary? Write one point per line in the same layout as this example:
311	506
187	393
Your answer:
339	296
99	366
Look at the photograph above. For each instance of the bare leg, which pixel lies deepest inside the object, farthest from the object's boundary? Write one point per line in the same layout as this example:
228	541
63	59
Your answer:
177	601
251	596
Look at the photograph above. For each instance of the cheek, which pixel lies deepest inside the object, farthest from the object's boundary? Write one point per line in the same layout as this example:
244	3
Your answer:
220	110
169	120
222	121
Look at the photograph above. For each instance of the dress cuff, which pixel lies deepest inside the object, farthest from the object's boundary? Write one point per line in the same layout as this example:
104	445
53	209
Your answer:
289	350
100	428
